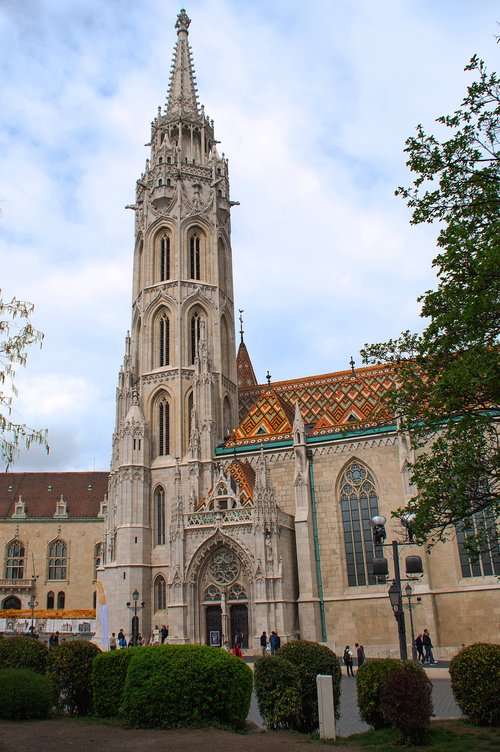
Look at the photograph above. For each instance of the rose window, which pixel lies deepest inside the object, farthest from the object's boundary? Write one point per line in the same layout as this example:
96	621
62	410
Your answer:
224	567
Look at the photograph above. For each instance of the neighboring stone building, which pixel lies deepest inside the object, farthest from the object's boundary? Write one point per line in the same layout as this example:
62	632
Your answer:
239	506
51	527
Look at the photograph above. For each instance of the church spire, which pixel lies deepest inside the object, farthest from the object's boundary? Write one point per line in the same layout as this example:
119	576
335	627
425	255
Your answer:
182	102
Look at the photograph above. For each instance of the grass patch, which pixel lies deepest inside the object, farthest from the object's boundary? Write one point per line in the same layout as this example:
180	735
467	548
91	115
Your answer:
444	736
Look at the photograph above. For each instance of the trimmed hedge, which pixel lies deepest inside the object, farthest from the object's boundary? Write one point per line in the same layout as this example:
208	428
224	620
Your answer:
312	659
475	683
69	667
24	694
406	702
23	652
278	690
109	672
370	679
170	686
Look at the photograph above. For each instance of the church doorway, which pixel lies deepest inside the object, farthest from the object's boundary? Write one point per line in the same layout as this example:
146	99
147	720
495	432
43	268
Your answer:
239	622
213	621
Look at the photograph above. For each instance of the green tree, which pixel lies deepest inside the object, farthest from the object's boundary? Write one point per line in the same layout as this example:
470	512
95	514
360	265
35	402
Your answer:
447	379
16	335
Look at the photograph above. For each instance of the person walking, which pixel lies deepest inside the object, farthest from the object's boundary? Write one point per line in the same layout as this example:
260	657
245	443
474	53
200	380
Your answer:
122	640
263	642
420	647
427	643
238	639
348	660
112	641
360	652
275	642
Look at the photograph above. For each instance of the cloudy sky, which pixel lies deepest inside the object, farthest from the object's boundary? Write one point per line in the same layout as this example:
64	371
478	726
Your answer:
312	103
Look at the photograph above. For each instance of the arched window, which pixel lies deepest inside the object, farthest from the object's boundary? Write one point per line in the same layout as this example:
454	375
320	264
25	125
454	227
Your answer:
58	560
164	258
14	565
225	346
195	334
160	516
487	562
194	256
227	417
359	504
50	599
61	599
222	265
163	428
163	340
160	593
12	602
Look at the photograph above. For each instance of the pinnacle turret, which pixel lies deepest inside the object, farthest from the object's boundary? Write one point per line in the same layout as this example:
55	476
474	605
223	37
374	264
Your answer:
182	101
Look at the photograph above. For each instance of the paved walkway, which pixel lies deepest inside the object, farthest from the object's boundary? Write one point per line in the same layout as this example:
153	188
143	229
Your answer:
350	722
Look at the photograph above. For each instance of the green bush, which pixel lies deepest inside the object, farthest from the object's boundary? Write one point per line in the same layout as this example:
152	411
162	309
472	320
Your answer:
169	686
475	683
23	652
69	667
370	679
109	671
406	702
312	659
24	694
278	690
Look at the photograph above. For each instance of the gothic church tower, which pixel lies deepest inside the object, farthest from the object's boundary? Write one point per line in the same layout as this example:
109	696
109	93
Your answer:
177	389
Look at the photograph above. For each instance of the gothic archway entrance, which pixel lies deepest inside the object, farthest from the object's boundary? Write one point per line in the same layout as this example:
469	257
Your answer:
224	597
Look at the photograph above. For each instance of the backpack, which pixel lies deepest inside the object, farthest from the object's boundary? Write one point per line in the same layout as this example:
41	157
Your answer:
347	657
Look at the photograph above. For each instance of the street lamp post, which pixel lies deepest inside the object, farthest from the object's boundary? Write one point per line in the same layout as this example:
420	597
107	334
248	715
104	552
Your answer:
32	603
410	607
135	619
413	567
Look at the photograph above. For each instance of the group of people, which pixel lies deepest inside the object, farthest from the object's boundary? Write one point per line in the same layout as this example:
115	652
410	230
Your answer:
158	636
271	644
348	657
423	643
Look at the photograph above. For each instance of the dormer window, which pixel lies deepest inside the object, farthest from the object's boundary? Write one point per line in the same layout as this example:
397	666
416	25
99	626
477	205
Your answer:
160	182
20	508
61	508
160	161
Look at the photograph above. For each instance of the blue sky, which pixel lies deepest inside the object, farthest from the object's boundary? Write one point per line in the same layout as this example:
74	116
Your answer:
312	103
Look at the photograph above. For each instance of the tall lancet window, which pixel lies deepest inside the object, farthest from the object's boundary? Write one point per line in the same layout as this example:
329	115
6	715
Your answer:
14	565
195	334
359	503
163	428
160	516
164	258
160	592
163	340
194	256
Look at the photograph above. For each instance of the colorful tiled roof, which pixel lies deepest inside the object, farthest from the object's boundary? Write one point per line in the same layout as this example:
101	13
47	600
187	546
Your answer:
328	403
246	374
82	492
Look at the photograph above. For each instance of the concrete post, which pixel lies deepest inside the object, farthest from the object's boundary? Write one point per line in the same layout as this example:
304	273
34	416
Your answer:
324	684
